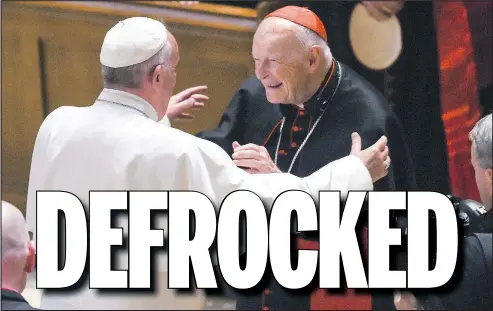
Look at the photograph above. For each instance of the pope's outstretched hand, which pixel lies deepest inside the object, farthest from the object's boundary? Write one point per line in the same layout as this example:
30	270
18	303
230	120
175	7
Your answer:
376	157
190	98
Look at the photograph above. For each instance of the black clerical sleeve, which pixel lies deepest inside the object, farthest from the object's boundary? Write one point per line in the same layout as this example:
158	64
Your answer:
401	175
248	118
360	107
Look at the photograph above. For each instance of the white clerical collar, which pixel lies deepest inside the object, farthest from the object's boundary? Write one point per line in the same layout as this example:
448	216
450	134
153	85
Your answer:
128	100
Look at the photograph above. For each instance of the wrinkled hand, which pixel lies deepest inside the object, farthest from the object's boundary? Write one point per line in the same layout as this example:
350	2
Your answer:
383	10
253	158
190	98
376	158
406	301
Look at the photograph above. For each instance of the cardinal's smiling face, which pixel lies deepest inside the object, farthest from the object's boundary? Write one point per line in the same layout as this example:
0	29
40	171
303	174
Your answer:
282	62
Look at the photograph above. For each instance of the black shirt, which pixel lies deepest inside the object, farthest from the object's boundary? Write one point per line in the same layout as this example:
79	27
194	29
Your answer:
14	301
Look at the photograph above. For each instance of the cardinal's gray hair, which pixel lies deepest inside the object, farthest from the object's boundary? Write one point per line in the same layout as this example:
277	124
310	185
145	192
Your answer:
310	38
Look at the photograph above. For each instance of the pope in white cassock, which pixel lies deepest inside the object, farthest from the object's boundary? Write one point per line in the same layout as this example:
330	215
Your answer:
118	144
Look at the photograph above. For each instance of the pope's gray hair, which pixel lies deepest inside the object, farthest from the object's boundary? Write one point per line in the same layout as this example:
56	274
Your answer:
481	138
132	76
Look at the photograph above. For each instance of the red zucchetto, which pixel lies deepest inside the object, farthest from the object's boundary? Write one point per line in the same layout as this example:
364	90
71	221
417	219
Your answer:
303	17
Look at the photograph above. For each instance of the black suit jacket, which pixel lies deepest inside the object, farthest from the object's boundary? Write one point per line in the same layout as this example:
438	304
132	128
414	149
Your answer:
14	301
485	223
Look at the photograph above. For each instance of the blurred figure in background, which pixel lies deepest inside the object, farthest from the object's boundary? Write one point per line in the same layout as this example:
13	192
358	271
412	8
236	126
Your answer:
473	289
438	97
481	159
447	89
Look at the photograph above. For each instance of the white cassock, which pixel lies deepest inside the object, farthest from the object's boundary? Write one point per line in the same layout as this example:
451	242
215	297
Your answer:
118	144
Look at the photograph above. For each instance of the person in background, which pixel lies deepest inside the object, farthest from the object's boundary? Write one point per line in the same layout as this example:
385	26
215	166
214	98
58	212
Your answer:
447	89
18	258
473	290
118	144
481	154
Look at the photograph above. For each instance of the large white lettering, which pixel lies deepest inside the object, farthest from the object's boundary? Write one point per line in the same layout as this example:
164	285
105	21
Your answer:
268	236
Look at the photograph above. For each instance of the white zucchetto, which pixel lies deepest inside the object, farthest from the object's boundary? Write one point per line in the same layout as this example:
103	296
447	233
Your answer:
132	41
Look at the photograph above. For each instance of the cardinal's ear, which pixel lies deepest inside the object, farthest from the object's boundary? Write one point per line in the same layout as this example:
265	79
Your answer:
314	57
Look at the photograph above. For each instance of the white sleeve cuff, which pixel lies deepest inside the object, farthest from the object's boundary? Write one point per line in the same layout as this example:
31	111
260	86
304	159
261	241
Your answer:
346	174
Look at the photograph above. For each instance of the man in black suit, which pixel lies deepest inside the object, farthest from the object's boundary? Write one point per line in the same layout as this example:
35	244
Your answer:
473	291
18	258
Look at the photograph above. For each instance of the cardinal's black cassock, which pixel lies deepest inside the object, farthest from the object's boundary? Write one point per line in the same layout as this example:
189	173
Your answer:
303	140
